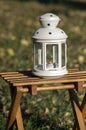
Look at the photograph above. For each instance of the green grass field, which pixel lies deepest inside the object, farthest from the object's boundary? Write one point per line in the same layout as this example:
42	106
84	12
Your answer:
18	21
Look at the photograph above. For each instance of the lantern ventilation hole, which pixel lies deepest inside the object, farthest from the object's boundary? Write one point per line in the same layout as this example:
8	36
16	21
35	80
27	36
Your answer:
48	24
50	33
62	32
51	15
37	32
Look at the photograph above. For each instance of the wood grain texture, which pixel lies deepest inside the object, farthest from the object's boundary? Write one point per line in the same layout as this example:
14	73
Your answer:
24	81
20	78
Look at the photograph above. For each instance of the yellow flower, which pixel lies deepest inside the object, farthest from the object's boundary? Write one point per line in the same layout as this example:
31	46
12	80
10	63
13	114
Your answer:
81	59
67	114
10	51
24	42
46	110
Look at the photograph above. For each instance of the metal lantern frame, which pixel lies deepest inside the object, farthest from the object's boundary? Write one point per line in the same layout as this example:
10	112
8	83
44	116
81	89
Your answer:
50	48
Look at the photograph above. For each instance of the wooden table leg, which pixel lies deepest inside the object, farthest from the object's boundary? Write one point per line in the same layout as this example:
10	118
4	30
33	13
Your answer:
77	111
83	107
83	110
15	113
19	121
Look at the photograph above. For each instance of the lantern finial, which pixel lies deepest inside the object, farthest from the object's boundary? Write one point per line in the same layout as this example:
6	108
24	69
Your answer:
49	20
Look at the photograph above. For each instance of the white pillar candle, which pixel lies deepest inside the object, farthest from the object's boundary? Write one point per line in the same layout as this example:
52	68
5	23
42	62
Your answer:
39	56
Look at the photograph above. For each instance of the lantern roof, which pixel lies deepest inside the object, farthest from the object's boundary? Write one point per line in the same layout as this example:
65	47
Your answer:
49	34
49	15
49	21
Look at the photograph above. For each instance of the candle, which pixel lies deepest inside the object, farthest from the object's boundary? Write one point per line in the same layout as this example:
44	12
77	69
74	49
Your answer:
39	56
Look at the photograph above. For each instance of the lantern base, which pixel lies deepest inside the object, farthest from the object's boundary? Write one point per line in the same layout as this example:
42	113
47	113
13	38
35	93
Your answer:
50	74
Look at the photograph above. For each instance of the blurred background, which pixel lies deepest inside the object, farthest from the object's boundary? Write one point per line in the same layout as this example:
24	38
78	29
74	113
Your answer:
18	21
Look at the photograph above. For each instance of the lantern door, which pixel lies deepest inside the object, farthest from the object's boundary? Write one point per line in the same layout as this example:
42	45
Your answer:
51	56
64	54
56	57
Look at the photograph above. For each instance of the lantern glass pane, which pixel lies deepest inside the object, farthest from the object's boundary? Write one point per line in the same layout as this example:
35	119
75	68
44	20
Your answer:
51	56
38	56
63	54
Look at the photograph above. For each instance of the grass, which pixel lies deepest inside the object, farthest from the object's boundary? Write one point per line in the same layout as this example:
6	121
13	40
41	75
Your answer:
18	20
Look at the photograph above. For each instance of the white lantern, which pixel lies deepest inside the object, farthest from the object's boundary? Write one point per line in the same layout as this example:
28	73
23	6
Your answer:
50	49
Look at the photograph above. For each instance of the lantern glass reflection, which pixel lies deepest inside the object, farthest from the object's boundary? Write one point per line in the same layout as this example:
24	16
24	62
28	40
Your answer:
38	58
63	54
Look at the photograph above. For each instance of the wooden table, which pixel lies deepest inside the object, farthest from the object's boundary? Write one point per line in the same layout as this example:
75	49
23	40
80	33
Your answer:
20	82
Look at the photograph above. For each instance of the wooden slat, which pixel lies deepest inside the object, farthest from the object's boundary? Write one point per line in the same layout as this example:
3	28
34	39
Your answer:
4	73
29	82
12	75
68	75
26	80
17	73
23	78
40	81
18	79
44	82
15	77
44	88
